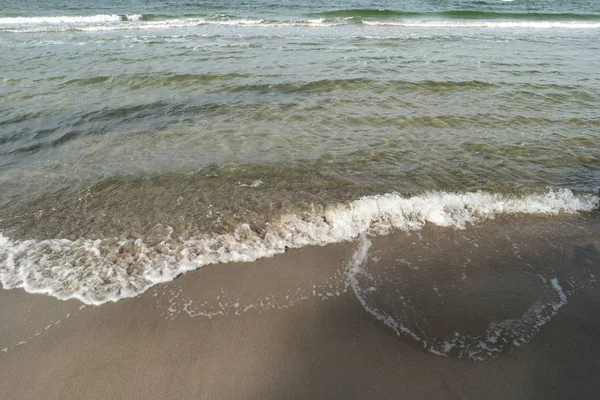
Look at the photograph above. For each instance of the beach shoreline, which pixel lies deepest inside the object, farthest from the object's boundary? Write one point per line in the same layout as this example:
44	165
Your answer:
305	200
198	337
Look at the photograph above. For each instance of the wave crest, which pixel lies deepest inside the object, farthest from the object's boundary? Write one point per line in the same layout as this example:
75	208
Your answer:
99	271
69	19
367	18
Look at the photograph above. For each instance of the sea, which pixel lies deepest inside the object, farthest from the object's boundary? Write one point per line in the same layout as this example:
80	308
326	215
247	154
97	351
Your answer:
143	139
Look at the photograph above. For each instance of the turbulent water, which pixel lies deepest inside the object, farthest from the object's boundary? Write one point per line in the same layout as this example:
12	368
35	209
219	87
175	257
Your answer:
142	140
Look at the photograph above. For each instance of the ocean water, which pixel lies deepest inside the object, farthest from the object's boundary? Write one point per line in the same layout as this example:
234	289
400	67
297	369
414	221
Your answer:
143	139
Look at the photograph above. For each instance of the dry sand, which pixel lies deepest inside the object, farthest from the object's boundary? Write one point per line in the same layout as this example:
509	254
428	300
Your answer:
230	332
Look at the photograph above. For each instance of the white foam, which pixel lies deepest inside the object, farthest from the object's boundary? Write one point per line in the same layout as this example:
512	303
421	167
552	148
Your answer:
68	19
133	17
117	22
99	271
110	22
486	24
561	294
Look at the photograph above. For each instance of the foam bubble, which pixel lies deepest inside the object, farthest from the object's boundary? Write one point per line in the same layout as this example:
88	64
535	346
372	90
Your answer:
99	271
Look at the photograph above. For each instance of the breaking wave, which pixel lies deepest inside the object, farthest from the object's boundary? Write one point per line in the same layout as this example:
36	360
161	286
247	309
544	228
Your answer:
69	19
104	270
367	18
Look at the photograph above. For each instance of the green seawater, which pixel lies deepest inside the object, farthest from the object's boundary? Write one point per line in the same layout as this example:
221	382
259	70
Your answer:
262	107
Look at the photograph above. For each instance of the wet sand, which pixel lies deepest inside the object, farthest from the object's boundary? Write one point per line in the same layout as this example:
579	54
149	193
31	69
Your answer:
292	327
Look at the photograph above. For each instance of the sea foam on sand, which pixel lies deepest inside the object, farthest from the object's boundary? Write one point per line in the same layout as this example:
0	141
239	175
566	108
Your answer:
104	270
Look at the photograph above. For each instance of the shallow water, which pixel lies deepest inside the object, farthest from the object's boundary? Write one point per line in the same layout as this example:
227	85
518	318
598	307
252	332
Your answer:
404	96
477	293
138	142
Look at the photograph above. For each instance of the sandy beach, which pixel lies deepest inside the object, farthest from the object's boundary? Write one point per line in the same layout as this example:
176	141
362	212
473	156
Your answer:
299	199
291	327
